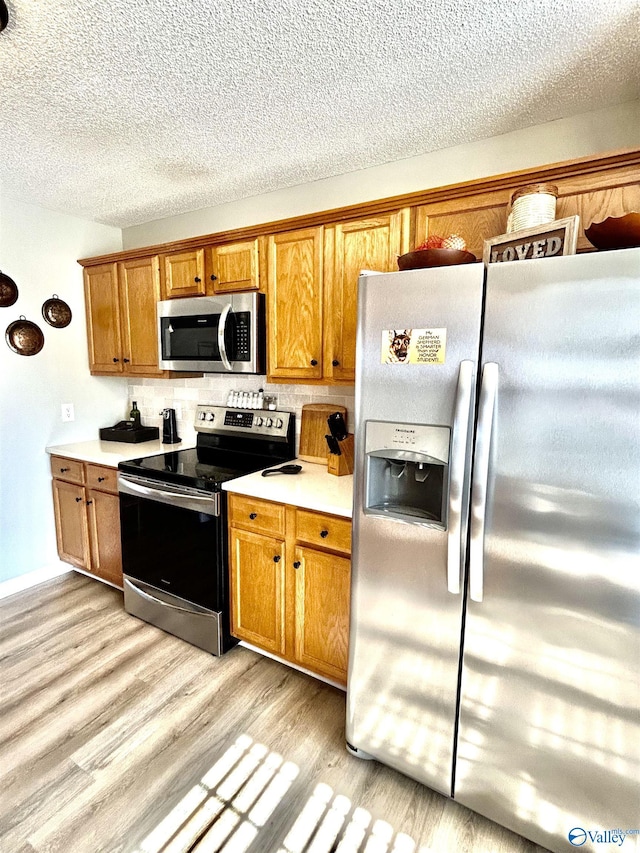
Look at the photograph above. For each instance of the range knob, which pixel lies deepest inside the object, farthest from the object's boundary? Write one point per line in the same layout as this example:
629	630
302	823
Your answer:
259	421
210	416
279	423
268	422
201	416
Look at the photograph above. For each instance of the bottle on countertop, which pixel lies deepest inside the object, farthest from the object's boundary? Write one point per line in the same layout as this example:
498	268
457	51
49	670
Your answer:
134	415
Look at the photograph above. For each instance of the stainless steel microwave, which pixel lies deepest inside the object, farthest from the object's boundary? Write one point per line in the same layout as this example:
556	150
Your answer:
213	334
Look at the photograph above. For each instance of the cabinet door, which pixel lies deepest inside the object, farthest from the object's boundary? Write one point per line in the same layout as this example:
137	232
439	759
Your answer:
139	283
103	319
257	590
233	267
322	612
184	274
368	244
295	304
72	530
104	525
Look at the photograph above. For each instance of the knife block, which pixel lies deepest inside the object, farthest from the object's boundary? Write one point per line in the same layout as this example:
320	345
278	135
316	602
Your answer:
343	464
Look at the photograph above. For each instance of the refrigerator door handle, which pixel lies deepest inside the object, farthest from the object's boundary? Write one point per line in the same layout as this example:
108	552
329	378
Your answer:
459	438
486	406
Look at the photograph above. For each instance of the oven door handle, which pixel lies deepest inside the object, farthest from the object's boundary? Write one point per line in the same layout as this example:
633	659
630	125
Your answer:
222	328
204	503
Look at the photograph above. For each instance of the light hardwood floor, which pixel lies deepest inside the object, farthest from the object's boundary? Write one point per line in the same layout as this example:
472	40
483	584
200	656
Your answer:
115	736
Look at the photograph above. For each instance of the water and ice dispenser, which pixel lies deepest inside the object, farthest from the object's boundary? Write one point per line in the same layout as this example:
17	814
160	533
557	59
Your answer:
407	472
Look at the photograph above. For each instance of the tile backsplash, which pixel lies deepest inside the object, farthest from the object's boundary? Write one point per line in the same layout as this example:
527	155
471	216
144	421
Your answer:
183	395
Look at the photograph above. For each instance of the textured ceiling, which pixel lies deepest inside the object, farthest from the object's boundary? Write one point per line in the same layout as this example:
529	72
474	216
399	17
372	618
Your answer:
131	110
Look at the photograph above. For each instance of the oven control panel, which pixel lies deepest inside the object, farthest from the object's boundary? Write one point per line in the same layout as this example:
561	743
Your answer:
227	421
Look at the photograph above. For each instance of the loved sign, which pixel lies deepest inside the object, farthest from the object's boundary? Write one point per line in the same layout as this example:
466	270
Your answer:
545	241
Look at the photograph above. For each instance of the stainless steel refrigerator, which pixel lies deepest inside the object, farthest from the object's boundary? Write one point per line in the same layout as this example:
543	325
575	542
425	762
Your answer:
495	610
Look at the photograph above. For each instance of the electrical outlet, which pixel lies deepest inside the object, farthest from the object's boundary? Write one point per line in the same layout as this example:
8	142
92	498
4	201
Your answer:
67	412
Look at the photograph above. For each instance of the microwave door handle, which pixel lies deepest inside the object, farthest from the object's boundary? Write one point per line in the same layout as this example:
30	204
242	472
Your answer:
222	328
480	479
459	441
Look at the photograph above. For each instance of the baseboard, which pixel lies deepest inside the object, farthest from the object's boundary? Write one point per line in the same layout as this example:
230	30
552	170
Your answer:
22	582
293	665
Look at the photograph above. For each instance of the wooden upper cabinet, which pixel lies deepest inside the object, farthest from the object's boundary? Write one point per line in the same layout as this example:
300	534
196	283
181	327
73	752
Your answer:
295	297
183	274
103	318
350	247
139	288
233	266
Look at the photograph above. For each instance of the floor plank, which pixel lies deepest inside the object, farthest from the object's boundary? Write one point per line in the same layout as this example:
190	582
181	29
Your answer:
117	737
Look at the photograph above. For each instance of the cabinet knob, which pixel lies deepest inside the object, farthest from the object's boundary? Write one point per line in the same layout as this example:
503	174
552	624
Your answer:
101	479
115	360
297	564
63	470
78	500
214	277
126	360
277	558
89	502
197	280
314	361
335	363
324	533
253	515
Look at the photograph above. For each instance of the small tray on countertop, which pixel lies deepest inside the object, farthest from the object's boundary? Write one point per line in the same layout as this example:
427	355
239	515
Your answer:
132	436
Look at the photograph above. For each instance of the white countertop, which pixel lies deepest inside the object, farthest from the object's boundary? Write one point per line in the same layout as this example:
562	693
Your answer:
312	488
112	452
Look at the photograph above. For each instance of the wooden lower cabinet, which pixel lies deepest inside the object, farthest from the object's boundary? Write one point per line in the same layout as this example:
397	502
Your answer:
257	590
87	519
289	596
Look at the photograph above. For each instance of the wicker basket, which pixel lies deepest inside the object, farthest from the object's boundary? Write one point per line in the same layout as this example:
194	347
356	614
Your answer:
532	205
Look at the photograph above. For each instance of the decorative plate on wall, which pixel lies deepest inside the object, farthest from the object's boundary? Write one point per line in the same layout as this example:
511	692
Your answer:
8	291
24	337
56	312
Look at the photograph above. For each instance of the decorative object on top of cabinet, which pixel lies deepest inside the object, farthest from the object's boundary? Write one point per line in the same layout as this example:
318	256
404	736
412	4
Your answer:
423	258
56	312
532	205
8	291
615	232
544	241
183	274
232	266
24	337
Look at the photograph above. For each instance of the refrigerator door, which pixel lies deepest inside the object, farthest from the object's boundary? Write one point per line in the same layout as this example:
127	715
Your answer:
417	350
549	731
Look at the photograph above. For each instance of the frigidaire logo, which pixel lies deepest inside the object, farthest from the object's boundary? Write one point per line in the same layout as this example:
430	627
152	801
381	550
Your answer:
579	836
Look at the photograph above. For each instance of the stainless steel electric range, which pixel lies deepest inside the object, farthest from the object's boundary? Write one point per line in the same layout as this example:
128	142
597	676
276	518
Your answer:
173	520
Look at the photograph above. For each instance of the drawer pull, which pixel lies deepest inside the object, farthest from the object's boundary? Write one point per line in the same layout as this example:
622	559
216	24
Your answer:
277	558
62	470
297	564
253	515
324	533
101	479
89	503
78	500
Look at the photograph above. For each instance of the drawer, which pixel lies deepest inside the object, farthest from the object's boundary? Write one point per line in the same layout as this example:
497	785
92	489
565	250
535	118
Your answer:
257	515
105	479
67	469
323	531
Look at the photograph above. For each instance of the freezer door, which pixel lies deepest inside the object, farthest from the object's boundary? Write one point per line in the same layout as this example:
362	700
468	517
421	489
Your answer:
414	417
549	733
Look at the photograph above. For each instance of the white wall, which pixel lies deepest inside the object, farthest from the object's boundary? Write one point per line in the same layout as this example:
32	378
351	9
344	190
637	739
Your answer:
565	139
38	250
